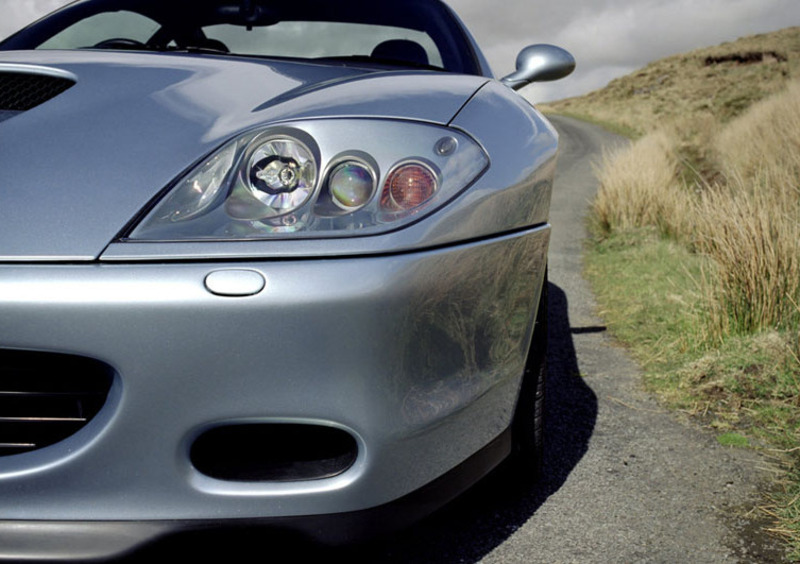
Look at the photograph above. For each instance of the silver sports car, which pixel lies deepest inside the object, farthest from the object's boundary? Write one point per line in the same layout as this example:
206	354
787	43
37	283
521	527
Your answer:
272	263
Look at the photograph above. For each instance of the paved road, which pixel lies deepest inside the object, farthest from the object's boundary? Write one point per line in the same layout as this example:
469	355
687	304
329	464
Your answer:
624	480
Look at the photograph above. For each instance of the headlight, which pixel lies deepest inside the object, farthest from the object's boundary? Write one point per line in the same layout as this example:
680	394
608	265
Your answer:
321	178
351	185
278	178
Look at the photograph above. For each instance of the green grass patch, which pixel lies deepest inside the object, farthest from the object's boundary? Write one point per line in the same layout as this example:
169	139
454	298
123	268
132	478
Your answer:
745	387
790	510
648	294
733	440
785	508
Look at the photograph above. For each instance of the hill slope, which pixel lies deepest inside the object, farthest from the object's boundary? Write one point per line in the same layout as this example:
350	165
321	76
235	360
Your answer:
721	82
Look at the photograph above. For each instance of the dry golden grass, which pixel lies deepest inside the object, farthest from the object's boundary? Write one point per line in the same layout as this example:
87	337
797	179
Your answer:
632	195
755	245
750	223
765	142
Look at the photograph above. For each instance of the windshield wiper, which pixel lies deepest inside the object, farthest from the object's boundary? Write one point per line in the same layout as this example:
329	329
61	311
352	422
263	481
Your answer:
379	61
197	49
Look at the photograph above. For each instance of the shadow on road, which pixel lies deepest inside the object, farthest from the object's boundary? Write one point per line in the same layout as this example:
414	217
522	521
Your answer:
475	523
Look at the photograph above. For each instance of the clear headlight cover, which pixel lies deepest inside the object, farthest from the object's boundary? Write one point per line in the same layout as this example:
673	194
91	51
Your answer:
321	178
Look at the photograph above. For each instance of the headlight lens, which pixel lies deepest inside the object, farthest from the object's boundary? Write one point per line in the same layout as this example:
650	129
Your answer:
197	192
279	178
282	166
317	178
351	185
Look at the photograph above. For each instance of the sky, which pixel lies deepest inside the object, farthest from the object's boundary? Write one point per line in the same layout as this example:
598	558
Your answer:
609	38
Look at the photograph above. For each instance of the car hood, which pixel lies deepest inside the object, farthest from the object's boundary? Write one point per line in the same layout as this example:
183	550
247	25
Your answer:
79	167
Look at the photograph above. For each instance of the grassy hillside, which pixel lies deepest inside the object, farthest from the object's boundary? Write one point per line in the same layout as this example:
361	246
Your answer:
696	251
719	82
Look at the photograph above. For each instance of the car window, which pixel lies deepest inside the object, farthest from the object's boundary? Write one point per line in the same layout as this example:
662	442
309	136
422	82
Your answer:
102	27
416	33
316	39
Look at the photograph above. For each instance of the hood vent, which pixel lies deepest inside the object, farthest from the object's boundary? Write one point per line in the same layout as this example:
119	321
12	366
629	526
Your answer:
20	92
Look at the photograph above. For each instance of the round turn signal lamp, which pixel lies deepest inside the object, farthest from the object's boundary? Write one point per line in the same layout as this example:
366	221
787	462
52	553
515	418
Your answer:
408	186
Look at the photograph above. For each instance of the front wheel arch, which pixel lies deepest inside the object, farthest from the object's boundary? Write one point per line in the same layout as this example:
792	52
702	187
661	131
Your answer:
527	427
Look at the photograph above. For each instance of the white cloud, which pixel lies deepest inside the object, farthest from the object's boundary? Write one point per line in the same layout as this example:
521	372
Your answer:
17	13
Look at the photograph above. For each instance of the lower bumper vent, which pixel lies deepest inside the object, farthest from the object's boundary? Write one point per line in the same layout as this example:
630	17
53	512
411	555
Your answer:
273	452
46	397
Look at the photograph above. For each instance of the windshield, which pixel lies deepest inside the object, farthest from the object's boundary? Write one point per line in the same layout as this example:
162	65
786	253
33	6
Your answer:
415	33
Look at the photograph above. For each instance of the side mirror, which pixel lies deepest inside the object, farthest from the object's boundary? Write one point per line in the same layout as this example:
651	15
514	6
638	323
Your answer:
540	63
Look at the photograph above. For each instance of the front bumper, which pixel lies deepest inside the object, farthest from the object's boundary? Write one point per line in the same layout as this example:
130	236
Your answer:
418	356
93	540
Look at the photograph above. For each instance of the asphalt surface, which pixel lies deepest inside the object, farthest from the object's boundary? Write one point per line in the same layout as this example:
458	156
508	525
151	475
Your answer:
624	480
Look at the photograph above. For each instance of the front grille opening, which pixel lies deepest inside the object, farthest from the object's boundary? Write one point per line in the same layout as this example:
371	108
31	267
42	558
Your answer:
20	92
47	397
273	452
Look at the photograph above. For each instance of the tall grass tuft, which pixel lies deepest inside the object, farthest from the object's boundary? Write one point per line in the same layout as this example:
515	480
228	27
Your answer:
639	188
754	241
750	225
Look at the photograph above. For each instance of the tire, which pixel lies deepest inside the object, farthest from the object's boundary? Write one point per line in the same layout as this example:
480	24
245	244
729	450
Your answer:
527	429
